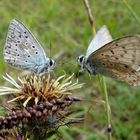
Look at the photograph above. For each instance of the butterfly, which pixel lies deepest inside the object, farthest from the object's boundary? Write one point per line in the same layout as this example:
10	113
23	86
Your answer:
22	50
119	59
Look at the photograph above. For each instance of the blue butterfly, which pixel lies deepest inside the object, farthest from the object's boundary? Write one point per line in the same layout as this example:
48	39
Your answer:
22	50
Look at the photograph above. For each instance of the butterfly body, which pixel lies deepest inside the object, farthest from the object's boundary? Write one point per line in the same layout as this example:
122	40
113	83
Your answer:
85	65
44	67
22	50
119	59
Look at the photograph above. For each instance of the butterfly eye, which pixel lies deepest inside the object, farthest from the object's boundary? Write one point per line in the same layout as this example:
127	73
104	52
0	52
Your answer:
51	62
80	59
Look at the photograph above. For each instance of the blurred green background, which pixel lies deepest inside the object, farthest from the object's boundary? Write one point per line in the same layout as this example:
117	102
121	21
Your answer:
65	24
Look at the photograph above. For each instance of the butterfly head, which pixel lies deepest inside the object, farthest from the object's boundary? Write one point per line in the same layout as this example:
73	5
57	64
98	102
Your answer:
46	67
51	65
85	65
81	61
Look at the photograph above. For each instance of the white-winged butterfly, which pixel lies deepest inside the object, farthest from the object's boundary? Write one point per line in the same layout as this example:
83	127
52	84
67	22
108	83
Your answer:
119	59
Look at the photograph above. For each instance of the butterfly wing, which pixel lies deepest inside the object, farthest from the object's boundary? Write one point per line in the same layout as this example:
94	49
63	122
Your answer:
21	48
119	59
101	38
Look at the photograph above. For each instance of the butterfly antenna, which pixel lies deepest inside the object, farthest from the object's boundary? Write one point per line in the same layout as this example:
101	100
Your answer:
50	47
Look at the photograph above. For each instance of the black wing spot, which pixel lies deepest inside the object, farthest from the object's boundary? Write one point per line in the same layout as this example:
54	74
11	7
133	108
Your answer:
33	46
28	55
111	64
133	60
125	66
25	32
36	52
133	55
17	54
16	44
19	36
15	49
112	51
26	36
18	41
26	61
125	51
12	36
133	71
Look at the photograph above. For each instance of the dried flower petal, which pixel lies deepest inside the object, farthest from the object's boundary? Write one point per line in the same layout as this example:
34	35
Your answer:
35	88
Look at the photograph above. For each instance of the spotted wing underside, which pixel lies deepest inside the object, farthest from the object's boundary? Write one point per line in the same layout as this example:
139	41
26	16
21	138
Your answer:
119	59
21	48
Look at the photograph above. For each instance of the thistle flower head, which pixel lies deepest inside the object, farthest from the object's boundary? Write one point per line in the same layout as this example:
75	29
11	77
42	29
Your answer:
40	105
34	89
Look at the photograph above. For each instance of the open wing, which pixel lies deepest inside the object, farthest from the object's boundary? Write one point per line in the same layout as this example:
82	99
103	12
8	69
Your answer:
119	59
101	38
21	48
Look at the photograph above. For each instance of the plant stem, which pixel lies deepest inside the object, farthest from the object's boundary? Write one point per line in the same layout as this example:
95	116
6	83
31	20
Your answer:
132	11
101	78
104	90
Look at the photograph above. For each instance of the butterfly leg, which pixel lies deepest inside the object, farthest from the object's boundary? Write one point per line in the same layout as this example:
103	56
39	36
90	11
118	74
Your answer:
90	76
91	69
82	68
40	69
